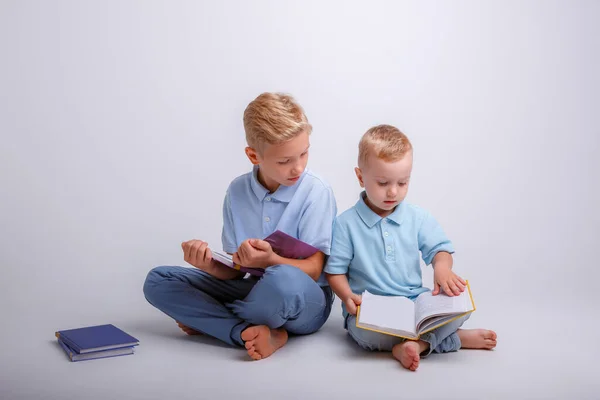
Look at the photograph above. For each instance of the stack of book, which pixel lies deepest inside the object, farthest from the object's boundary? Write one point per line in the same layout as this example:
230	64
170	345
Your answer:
93	342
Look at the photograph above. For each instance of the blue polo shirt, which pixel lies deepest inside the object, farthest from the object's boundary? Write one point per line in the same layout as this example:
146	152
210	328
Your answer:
305	211
381	255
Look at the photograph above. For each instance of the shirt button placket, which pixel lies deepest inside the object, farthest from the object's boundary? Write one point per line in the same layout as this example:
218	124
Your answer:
266	218
389	248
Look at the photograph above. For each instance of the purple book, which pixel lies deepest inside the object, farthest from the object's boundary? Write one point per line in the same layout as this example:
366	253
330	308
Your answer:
283	244
289	247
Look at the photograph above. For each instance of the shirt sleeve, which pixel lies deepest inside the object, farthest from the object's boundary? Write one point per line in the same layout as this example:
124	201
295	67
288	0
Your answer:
432	239
316	223
228	233
342	250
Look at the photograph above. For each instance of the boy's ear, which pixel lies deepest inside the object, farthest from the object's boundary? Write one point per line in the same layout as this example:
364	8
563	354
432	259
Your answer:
359	176
252	155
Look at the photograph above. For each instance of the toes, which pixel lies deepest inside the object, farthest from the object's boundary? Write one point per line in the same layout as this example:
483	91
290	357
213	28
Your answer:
249	344
490	335
249	334
253	353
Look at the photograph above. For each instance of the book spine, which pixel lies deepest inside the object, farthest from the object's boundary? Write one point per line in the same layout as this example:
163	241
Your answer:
69	343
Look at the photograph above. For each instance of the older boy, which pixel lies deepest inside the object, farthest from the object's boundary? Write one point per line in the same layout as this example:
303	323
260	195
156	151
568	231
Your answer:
279	194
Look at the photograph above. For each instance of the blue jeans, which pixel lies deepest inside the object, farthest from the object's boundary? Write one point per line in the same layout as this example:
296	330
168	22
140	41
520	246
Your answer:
285	297
441	340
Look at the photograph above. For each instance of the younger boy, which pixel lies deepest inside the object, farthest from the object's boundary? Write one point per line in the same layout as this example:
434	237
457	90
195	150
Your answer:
279	194
376	247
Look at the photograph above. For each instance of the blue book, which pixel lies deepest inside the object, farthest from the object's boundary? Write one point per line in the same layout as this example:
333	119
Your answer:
96	338
73	356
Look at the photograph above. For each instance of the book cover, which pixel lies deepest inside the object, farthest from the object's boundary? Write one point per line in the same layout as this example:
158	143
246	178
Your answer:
96	338
74	356
402	317
289	247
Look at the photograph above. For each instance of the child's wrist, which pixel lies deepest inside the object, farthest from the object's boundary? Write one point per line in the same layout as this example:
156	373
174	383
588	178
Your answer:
275	259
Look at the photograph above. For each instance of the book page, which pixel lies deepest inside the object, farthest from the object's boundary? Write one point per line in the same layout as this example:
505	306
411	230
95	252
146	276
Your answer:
223	258
427	305
388	312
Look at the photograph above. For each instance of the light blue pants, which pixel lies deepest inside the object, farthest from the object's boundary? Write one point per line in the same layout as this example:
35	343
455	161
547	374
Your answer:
441	340
284	297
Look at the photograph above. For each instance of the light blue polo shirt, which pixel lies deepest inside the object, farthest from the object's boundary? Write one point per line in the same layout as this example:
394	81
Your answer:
305	211
381	255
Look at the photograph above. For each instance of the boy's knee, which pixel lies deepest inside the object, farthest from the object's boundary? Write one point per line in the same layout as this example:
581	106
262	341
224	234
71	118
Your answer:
154	277
460	321
281	288
361	338
287	281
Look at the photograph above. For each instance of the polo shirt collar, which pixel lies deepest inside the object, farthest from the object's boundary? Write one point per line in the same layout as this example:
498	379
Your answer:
370	218
283	193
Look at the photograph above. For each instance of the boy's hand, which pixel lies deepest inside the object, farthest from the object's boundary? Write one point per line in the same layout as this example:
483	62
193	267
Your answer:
197	253
352	302
255	253
450	283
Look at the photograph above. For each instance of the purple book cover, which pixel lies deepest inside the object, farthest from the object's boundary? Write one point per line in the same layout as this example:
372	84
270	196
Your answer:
290	247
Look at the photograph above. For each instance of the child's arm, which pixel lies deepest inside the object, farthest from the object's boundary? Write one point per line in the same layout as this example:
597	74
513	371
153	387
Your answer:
341	287
338	263
444	277
437	249
256	253
312	266
197	254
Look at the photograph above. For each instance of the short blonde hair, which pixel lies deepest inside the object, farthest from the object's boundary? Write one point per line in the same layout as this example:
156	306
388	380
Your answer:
274	118
385	142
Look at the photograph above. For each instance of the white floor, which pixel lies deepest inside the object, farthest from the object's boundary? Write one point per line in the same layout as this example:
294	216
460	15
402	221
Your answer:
531	361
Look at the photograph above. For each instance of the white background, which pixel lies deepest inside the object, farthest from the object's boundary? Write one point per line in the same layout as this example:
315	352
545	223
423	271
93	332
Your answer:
121	127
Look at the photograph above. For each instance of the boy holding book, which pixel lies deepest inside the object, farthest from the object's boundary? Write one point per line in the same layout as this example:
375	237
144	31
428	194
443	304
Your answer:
279	194
376	245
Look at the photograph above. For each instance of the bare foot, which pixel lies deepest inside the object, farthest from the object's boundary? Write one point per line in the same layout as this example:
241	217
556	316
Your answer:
188	330
261	341
408	353
477	338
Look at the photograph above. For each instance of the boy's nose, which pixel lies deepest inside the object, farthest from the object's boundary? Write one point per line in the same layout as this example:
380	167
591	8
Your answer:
297	169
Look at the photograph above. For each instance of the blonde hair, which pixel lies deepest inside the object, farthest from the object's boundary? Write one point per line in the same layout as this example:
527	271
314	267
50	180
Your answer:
385	142
274	118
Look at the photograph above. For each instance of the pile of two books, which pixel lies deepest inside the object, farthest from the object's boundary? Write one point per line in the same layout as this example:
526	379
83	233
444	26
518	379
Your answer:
98	341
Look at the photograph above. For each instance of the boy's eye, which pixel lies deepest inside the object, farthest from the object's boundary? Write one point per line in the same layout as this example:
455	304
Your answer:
303	154
382	183
402	184
283	162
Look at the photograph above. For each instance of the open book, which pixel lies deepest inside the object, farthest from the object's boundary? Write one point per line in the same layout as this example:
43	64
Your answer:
282	244
400	316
